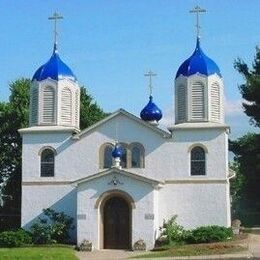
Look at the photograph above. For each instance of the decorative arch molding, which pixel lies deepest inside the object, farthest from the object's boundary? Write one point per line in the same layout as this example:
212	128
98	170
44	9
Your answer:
47	147
198	145
114	193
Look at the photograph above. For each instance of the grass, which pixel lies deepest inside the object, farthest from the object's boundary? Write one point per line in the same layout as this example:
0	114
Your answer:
195	250
38	253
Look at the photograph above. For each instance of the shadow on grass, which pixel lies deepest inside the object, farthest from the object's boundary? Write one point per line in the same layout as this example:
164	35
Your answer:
194	250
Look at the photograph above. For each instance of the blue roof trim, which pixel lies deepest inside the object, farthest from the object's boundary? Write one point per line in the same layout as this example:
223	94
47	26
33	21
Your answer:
55	69
198	62
151	112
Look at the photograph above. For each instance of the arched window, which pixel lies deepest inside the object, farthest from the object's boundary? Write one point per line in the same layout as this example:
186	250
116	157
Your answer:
124	159
137	155
108	161
197	161
197	101
47	162
48	115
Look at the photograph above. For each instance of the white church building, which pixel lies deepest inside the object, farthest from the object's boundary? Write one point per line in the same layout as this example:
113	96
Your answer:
121	177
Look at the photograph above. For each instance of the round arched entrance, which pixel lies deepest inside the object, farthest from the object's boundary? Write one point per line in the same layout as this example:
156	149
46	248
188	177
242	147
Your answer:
116	213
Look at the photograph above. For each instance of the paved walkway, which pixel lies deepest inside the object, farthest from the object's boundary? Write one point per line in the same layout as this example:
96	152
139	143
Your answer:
253	247
107	254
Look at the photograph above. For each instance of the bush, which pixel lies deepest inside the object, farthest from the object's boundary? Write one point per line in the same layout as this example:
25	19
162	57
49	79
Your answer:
209	234
15	238
172	232
54	228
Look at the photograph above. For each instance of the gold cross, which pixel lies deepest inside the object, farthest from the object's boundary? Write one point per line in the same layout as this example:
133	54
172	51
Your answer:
150	74
55	17
197	10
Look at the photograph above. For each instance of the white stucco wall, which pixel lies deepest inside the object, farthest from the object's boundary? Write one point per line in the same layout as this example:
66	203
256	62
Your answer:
142	193
195	204
165	158
35	198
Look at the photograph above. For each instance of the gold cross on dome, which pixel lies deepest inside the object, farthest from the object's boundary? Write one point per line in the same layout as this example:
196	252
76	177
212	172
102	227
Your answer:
150	74
55	17
197	10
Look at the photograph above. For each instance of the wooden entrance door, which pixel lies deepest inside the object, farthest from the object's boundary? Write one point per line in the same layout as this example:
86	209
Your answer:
116	224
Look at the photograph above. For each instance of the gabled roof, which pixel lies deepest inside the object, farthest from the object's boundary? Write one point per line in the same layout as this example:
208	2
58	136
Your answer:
130	116
115	170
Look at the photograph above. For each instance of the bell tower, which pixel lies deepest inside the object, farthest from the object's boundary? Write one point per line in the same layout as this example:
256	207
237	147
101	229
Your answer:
54	93
199	87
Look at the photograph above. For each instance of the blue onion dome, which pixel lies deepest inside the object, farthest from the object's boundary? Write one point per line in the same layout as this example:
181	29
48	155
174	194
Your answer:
151	112
55	69
117	151
198	62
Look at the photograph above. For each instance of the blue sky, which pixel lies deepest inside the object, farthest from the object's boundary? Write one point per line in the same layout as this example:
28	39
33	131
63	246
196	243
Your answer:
110	45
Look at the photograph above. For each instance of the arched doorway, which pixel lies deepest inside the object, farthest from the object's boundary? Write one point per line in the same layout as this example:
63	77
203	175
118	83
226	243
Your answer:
116	220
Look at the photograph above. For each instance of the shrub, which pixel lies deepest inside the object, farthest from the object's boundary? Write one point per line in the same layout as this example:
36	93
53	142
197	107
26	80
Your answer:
209	234
53	228
15	238
172	232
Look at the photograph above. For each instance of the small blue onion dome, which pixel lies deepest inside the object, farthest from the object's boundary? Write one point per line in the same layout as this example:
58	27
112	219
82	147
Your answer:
198	62
55	69
117	151
151	112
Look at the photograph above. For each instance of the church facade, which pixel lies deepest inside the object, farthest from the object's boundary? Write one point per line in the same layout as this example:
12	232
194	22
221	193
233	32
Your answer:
121	177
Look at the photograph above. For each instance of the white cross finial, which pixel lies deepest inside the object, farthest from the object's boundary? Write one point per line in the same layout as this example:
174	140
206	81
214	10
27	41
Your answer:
55	17
150	74
197	10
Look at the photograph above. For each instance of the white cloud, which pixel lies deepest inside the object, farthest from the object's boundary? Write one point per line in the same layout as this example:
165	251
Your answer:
233	107
168	117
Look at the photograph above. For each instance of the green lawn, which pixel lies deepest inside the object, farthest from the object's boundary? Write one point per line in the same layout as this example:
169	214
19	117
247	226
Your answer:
38	253
195	250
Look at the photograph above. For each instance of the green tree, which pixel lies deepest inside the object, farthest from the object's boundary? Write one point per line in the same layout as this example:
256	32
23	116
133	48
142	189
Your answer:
13	116
247	148
90	112
250	90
